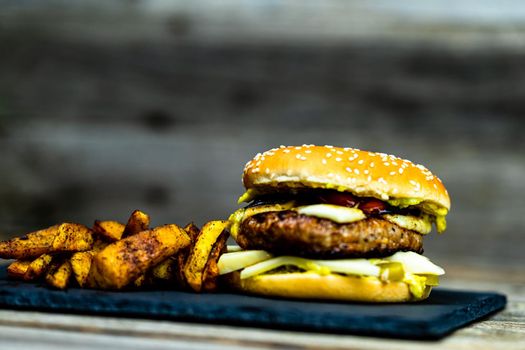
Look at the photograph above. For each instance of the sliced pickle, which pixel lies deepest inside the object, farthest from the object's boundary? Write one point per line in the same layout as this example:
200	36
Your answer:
432	280
392	271
242	214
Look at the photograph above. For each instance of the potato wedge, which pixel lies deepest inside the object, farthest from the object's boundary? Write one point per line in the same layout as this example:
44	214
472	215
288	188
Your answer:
99	244
192	230
198	257
137	222
144	280
182	256
29	246
38	267
81	264
122	262
72	237
165	271
17	269
59	275
110	230
211	270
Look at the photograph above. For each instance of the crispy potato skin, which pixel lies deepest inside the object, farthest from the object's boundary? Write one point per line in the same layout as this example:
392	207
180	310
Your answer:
196	262
29	246
137	222
59	275
72	238
122	262
17	269
211	270
38	267
81	264
110	230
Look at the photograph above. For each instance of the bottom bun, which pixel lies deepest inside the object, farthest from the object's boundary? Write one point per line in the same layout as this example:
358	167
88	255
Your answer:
307	285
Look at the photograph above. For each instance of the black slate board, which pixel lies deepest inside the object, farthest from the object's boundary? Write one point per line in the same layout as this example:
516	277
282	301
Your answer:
442	313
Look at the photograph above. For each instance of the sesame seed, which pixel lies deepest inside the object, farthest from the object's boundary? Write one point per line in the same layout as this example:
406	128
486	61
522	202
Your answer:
330	175
356	171
338	159
360	161
339	152
323	161
282	146
328	155
395	190
298	156
372	165
401	170
366	171
303	158
382	180
286	151
392	173
435	186
412	182
328	146
384	196
267	171
348	169
369	178
308	151
386	163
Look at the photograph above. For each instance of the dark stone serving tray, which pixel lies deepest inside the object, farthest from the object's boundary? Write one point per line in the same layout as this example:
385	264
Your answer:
443	312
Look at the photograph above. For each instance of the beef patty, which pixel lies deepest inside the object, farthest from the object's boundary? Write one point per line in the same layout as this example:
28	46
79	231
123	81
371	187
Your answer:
290	233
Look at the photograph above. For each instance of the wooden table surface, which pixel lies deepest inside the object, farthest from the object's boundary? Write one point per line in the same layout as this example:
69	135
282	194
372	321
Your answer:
30	329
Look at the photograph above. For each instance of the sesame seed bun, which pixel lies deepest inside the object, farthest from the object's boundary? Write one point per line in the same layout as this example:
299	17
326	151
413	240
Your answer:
362	173
329	287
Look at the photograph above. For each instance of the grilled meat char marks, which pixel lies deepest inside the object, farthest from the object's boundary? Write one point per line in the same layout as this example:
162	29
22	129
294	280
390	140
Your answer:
290	233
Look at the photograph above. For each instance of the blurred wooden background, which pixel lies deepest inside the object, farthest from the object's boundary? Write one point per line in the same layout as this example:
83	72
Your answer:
109	106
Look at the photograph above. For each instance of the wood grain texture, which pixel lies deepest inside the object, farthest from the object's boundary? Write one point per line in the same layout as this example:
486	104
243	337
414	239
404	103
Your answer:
114	106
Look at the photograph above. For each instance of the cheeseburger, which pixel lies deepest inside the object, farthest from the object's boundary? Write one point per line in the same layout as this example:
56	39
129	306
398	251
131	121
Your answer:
325	222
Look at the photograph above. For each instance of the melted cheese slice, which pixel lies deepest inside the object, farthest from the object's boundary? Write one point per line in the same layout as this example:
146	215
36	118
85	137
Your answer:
337	213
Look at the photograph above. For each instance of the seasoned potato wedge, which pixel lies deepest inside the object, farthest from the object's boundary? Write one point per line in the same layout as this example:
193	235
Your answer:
122	262
81	264
99	244
144	280
211	270
38	267
59	275
165	271
110	230
29	246
196	262
17	269
72	238
182	256
137	222
192	230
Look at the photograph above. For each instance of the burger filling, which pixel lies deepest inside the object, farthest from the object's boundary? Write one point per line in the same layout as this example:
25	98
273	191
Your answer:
409	267
331	232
